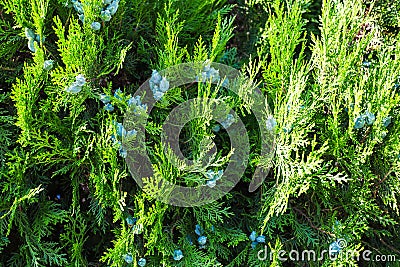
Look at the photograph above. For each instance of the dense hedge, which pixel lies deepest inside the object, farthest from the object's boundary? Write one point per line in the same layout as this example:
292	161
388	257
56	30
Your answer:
330	74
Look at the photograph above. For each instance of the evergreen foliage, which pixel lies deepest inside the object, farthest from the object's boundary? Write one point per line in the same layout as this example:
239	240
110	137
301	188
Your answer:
330	73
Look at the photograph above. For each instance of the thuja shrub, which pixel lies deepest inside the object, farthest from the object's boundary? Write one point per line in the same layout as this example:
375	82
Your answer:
330	86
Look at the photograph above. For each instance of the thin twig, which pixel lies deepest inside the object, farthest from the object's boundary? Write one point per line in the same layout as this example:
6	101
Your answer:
335	208
388	246
384	177
381	181
7	69
377	250
311	223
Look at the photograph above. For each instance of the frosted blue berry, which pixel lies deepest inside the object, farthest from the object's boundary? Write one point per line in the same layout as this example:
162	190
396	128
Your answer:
128	258
38	39
81	17
131	133
113	7
225	83
95	26
118	94
287	129
105	15
31	45
155	88
164	85
58	196
158	85
359	122
254	244
253	236
113	139
48	64
213	74
202	240
213	177
198	230
107	2
155	77
366	64
207	67
158	95
29	33
334	248
210	174
216	128
80	80
229	120
386	121
122	152
260	239
78	7
270	123
74	88
369	118
130	221
109	107
211	183
120	130
178	255
134	101
142	262
105	98
219	174
209	73
143	106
